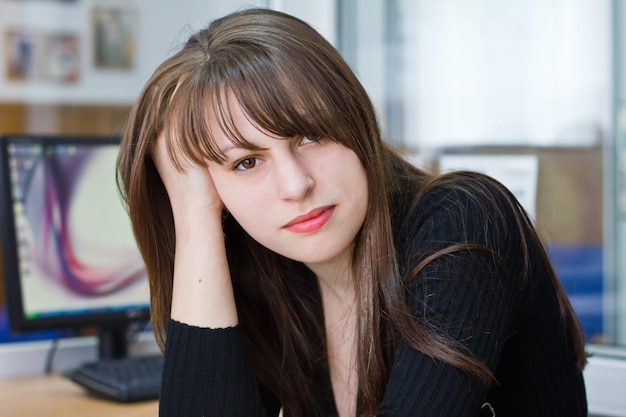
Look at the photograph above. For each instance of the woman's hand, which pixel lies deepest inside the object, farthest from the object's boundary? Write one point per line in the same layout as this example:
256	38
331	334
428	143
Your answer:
192	192
203	293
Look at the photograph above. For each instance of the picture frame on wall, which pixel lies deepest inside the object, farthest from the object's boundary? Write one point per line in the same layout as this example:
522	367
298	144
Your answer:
60	59
114	37
20	55
32	56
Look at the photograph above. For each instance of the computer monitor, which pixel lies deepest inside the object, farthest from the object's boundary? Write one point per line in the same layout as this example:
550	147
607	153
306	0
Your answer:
70	258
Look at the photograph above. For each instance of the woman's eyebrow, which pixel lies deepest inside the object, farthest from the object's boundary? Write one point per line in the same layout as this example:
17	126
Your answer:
245	146
229	148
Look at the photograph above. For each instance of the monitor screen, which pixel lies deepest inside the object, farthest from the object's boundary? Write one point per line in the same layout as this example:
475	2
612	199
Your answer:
70	257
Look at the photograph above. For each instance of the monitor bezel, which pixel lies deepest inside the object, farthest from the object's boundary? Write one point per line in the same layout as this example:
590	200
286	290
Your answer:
18	321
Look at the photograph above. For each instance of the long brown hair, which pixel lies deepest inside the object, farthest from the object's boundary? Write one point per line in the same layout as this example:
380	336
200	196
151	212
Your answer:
290	82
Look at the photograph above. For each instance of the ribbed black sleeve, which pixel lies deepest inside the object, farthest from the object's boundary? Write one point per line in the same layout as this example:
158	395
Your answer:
207	373
482	299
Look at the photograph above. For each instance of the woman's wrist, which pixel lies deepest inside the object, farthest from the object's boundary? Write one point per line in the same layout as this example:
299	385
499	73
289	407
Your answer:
202	294
198	225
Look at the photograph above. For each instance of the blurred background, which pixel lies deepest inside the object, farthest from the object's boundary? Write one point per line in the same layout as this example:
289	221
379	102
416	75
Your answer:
532	92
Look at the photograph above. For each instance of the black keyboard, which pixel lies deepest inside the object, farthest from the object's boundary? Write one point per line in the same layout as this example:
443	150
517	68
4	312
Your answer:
123	380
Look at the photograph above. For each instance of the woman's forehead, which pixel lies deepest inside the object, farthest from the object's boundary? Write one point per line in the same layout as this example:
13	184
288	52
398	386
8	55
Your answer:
231	126
231	123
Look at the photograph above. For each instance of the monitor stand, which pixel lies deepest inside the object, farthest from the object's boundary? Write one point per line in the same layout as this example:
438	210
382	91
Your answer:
112	342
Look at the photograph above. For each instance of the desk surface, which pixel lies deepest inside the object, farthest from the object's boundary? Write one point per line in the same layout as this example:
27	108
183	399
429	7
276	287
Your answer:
56	396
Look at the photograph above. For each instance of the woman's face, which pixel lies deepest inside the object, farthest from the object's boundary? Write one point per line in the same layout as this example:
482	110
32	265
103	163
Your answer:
301	198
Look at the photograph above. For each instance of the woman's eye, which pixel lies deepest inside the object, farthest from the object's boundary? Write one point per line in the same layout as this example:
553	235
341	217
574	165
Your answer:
245	164
306	140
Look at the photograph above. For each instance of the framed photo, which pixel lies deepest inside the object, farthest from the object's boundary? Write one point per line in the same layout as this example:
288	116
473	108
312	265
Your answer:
60	58
33	56
114	37
21	55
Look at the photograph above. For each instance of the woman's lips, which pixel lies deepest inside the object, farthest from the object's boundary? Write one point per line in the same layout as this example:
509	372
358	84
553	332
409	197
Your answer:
312	221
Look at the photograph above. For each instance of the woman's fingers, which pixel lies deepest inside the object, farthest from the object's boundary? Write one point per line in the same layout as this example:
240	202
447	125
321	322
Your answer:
191	190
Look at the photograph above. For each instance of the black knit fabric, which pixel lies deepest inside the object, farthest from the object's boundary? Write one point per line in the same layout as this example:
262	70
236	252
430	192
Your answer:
479	298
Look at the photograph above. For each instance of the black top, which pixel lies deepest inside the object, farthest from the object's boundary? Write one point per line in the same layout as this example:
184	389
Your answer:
479	298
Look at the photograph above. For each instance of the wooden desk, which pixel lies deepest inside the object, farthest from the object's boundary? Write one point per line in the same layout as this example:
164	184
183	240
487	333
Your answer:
56	396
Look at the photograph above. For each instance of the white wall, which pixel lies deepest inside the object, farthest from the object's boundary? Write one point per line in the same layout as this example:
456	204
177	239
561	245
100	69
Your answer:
162	25
321	14
496	72
490	72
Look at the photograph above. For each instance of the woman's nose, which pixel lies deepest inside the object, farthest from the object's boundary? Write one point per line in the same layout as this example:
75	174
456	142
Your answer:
293	179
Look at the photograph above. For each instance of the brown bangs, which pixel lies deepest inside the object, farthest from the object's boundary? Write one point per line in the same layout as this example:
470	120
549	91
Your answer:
282	95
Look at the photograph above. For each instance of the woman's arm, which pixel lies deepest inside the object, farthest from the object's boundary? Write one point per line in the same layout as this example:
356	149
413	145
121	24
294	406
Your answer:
496	300
203	294
207	370
457	296
469	296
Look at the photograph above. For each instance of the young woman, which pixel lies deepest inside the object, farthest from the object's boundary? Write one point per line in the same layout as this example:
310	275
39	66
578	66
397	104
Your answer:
298	263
